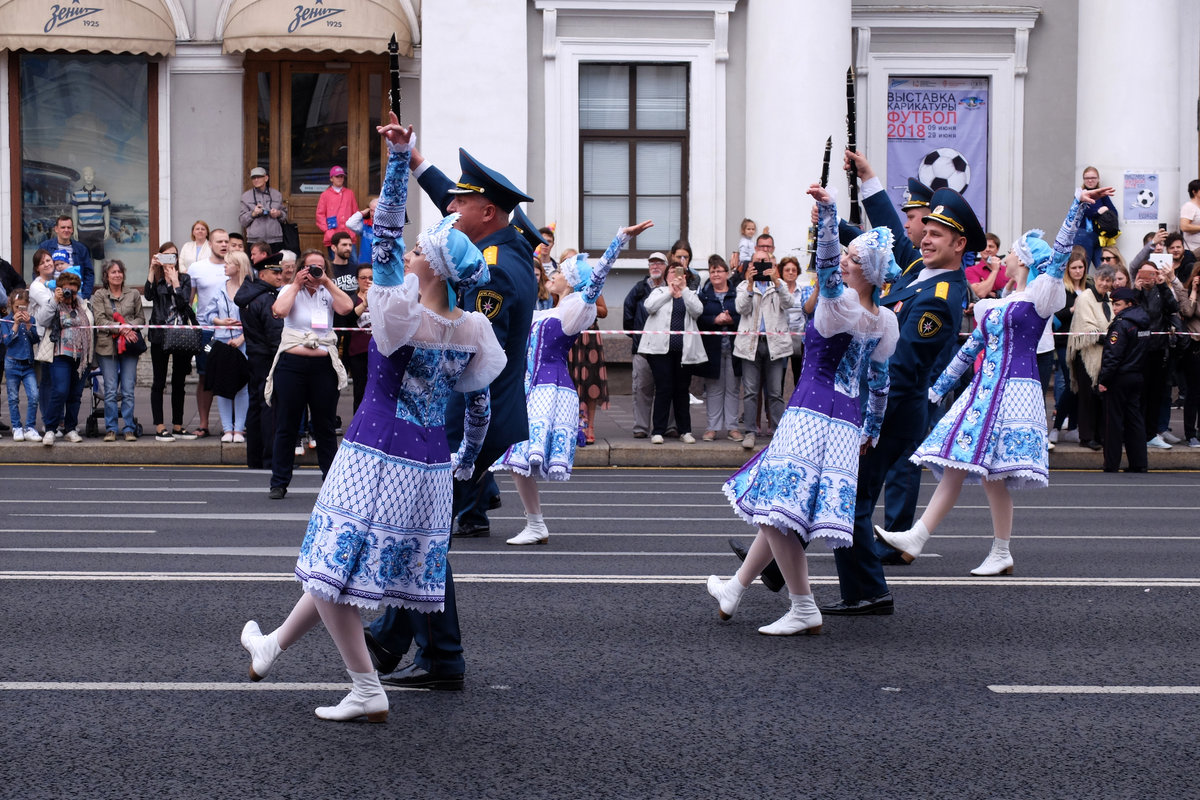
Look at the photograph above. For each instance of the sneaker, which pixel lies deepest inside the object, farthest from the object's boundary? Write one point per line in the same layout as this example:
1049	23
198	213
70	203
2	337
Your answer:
1070	435
227	437
709	436
748	441
130	436
184	434
1170	438
239	438
656	439
58	434
1053	435
110	436
18	434
277	493
48	439
1193	442
1049	445
31	435
300	447
1157	442
312	443
694	401
639	434
687	438
73	437
164	436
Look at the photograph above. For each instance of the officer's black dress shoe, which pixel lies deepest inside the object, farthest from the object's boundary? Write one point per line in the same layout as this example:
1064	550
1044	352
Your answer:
413	677
1136	469
772	578
383	661
881	605
494	503
1093	445
471	531
890	556
277	492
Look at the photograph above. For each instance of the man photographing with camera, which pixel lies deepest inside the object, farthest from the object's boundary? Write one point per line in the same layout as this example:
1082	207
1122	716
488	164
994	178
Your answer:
763	301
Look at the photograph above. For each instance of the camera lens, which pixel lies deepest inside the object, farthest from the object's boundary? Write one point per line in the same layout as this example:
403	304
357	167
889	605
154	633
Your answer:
316	272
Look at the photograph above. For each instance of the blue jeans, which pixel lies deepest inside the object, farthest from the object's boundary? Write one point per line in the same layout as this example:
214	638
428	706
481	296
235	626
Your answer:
66	391
120	380
20	373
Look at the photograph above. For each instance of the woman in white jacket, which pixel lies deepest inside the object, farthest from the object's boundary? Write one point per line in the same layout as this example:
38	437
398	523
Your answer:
763	303
673	307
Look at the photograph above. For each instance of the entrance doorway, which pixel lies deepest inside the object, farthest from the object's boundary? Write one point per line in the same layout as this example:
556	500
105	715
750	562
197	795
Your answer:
306	115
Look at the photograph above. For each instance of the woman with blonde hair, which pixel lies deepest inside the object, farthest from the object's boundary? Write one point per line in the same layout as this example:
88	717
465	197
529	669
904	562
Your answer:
228	372
197	247
1065	405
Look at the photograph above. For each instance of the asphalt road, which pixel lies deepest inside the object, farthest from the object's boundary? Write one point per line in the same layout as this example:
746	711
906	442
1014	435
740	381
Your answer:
597	666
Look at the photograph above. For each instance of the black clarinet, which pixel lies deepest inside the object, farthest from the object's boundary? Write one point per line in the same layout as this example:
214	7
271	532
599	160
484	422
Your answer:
852	145
812	229
394	69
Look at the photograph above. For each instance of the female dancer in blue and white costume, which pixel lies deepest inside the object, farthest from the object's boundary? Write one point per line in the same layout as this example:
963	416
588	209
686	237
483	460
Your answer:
802	486
380	528
996	431
553	400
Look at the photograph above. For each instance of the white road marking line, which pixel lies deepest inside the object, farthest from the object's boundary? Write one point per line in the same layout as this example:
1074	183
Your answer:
1016	689
68	530
553	578
146	686
290	552
91	501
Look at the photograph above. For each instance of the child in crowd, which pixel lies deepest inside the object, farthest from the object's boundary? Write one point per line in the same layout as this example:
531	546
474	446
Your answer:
745	248
20	337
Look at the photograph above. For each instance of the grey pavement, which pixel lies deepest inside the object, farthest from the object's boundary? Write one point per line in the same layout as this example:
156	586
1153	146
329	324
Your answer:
614	447
596	665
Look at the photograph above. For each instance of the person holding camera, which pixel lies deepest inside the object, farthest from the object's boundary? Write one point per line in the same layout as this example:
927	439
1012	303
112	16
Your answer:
307	369
263	213
672	308
1153	288
169	290
18	334
117	304
762	341
988	277
71	332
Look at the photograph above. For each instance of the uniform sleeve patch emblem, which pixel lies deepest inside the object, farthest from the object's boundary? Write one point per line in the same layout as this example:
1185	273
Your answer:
488	302
490	254
942	290
928	325
1113	339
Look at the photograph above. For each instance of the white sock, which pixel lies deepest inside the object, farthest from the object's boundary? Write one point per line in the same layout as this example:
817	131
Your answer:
534	519
1000	546
921	530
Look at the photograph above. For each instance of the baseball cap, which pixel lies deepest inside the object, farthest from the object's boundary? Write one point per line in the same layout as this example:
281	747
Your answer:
258	172
656	256
335	171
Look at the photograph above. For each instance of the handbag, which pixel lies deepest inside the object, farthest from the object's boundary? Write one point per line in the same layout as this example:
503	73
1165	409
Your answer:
291	236
228	370
45	349
182	339
135	346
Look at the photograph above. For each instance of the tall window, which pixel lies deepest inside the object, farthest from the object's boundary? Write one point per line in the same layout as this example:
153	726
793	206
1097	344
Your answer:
633	152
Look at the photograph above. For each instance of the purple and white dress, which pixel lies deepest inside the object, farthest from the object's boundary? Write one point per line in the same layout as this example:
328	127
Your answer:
806	479
551	396
380	529
996	429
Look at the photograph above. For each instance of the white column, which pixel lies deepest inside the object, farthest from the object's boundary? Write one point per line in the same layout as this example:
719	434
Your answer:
1128	119
796	60
474	88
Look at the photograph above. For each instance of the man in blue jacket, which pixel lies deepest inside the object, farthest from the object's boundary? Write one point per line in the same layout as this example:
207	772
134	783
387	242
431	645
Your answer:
928	302
81	256
484	199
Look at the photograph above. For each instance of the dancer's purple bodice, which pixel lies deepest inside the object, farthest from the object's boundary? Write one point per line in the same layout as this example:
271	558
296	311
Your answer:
818	378
548	349
404	403
1020	324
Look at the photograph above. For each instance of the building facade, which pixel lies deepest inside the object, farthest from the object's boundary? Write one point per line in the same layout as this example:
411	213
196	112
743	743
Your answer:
694	112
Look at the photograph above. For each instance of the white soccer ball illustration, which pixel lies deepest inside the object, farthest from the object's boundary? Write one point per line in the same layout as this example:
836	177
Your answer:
1145	198
945	168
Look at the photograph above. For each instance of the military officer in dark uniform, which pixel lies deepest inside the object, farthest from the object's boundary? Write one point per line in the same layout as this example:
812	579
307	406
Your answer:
484	199
928	304
1120	381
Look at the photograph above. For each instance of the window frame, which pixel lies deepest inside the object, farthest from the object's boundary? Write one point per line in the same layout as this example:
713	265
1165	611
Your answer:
633	136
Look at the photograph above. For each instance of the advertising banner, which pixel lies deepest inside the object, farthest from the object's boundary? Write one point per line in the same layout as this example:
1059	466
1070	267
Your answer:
938	133
1141	197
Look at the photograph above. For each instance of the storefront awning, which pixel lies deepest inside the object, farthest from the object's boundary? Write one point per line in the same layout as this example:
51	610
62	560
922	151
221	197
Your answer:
90	26
355	26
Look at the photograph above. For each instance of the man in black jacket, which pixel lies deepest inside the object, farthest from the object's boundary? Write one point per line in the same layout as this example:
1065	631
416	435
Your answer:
262	331
1155	295
1126	350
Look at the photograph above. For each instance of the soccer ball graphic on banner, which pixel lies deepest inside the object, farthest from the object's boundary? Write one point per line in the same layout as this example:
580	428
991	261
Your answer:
945	168
1145	198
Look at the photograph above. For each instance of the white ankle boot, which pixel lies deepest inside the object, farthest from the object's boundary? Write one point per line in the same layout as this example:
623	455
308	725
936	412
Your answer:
367	698
802	618
534	532
263	650
728	594
998	562
909	542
